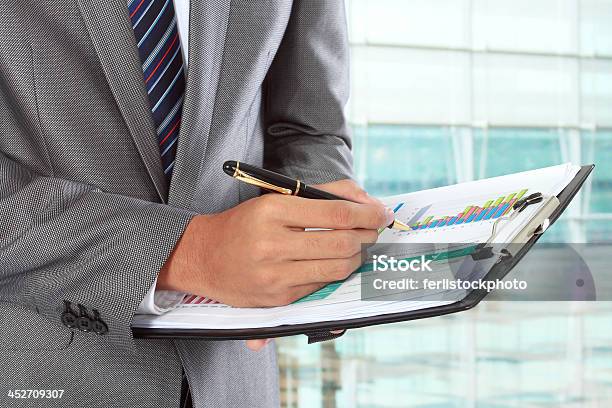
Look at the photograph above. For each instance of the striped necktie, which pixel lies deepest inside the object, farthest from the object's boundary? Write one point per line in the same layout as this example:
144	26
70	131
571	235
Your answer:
159	46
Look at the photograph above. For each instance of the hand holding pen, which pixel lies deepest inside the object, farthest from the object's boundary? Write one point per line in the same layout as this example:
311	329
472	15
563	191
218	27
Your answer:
258	254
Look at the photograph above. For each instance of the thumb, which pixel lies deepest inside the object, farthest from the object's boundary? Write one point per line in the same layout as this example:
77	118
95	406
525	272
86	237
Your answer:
257	345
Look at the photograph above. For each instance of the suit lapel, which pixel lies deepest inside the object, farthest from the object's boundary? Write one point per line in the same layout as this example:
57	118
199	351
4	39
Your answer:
110	30
208	22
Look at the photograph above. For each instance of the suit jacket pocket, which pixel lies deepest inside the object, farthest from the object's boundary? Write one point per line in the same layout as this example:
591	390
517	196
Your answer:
25	329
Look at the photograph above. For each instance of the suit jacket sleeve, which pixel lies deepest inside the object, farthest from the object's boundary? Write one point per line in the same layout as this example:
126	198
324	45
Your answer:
62	240
307	88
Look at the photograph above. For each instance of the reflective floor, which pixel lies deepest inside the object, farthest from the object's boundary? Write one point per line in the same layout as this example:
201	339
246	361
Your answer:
498	355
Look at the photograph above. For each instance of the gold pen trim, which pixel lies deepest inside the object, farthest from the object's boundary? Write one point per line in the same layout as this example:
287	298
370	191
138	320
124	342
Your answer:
297	187
247	178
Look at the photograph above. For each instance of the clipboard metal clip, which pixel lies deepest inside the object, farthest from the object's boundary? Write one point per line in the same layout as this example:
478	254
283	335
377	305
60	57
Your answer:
523	203
485	250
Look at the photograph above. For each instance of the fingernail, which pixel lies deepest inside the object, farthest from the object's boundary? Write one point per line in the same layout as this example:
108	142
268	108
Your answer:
390	216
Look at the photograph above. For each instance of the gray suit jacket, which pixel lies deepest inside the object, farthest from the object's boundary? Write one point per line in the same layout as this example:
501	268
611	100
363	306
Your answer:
86	215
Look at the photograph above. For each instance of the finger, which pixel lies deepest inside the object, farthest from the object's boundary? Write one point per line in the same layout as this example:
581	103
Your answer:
320	271
298	292
328	244
257	344
334	214
292	293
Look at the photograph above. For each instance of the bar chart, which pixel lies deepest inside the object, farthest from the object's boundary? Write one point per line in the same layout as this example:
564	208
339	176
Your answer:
490	209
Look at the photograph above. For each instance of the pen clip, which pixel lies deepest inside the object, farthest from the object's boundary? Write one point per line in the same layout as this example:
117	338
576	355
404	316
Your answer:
247	178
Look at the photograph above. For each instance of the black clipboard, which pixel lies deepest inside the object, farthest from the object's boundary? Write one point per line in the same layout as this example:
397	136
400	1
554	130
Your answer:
319	331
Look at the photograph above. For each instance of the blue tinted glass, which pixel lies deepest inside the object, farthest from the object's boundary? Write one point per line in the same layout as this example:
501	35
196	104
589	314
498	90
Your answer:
558	232
598	231
399	159
597	149
504	151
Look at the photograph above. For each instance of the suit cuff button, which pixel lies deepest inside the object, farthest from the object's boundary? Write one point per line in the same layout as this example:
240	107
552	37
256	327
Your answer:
68	317
98	325
83	322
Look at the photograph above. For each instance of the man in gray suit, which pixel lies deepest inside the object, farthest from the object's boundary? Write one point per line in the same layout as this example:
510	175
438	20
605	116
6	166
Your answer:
112	196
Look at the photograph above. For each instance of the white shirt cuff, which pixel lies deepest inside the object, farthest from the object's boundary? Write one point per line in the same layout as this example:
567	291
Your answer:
157	302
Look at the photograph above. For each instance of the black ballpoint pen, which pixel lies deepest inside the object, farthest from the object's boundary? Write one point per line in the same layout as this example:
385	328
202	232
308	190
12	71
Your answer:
278	183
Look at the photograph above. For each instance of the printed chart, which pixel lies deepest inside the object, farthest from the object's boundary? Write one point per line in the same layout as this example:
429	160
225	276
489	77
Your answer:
491	209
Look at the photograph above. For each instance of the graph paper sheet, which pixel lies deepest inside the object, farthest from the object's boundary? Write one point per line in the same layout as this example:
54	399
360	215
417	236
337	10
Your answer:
455	218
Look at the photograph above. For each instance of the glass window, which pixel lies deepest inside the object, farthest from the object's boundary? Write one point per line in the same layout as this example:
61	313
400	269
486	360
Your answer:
409	22
408	86
545	26
597	148
524	90
598	231
390	159
510	150
595	28
596	98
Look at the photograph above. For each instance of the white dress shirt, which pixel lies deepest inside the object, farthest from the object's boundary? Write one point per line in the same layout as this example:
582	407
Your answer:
181	8
160	301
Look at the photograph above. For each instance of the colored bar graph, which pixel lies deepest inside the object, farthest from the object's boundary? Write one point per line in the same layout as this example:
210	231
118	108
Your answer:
503	206
509	197
470	215
444	221
454	219
518	197
414	221
491	209
475	214
464	214
425	222
510	204
494	208
501	210
484	210
521	194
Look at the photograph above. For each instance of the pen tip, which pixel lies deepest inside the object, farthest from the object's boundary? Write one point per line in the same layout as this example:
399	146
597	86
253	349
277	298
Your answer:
398	225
